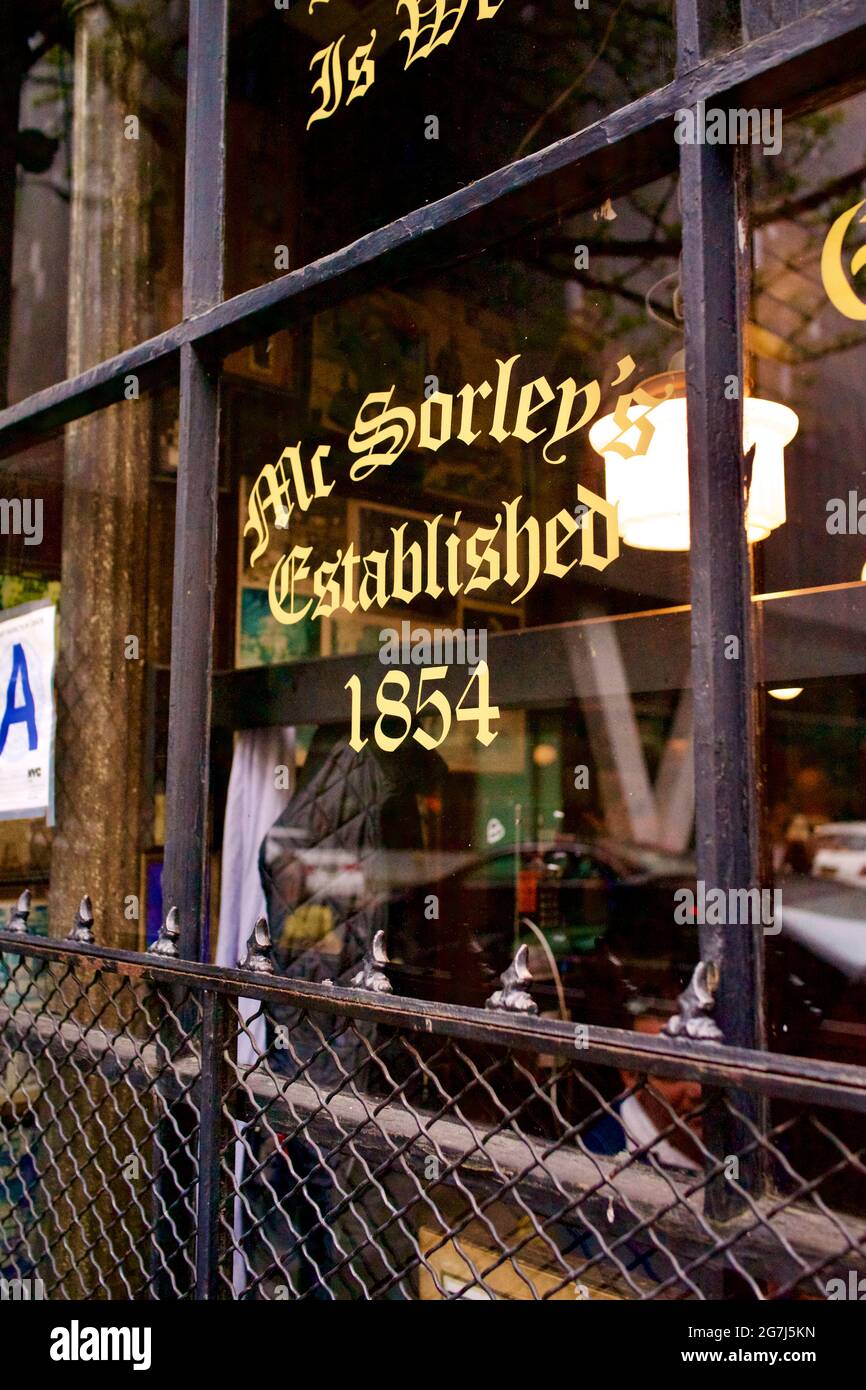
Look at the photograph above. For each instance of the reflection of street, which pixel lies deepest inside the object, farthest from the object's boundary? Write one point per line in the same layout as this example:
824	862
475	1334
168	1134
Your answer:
828	919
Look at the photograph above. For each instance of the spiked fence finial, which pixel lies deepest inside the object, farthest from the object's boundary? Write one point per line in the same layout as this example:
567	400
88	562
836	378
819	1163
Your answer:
18	920
695	1006
169	933
371	975
512	997
82	927
258	954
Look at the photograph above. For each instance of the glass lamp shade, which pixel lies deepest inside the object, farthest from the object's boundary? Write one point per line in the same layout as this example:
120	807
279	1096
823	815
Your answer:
651	490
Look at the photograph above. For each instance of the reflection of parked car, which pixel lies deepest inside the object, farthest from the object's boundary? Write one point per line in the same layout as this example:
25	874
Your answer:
827	920
840	853
605	912
333	873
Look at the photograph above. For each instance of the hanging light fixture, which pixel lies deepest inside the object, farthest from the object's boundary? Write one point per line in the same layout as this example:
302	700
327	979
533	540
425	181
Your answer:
651	490
786	692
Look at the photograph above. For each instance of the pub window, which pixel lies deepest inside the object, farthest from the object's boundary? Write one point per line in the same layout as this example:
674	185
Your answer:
593	753
470	550
432	510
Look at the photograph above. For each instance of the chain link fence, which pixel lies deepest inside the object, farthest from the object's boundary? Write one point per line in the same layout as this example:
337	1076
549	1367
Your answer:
170	1130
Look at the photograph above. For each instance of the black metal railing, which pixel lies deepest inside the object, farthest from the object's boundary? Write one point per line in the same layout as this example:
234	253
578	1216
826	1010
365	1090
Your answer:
169	1129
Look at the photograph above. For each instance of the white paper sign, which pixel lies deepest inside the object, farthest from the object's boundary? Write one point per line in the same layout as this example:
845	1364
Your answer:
27	711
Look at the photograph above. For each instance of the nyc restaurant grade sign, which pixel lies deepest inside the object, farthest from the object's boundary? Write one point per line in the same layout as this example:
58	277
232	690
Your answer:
27	711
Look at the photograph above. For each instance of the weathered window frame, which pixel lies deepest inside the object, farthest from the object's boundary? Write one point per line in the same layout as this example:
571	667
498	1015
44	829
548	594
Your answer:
808	63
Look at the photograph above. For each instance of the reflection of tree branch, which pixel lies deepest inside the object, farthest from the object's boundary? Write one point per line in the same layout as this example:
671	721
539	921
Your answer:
594	282
651	248
572	87
762	216
660	16
590	282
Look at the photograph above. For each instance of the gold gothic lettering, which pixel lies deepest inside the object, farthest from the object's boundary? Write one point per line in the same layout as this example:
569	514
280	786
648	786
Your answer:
516	549
429	26
382	431
471	561
271	493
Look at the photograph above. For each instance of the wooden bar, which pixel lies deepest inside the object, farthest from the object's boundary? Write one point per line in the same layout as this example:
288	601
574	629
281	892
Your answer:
185	875
809	635
726	782
803	1079
214	1134
722	664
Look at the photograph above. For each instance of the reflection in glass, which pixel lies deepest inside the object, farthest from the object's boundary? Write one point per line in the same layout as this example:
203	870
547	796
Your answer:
502	750
342	118
811	614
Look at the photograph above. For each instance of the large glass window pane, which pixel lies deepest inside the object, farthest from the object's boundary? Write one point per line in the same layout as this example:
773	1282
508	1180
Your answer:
808	355
484	552
344	116
91	184
87	530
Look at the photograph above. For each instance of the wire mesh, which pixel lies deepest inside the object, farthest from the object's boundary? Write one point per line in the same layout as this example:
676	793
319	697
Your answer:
98	1132
355	1153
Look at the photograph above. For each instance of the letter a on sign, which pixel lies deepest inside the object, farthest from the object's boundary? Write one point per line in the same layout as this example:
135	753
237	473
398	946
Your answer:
27	638
21	711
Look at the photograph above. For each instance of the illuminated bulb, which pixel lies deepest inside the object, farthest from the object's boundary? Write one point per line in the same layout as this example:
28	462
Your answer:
544	755
651	490
787	692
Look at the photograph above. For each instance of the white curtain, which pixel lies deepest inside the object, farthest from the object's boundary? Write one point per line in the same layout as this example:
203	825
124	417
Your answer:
254	801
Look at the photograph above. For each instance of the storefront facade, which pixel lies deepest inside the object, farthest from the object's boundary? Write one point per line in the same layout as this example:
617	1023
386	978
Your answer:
444	458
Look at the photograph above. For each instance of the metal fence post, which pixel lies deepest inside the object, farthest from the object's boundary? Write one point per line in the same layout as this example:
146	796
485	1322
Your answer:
212	1215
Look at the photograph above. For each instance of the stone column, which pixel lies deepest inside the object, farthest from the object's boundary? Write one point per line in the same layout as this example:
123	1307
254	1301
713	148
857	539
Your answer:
101	745
100	805
10	94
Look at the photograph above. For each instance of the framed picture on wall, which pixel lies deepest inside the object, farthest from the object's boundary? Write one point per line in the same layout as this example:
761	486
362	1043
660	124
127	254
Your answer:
263	641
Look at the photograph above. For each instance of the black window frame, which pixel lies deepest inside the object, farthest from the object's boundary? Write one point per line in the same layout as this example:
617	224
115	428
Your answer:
808	63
